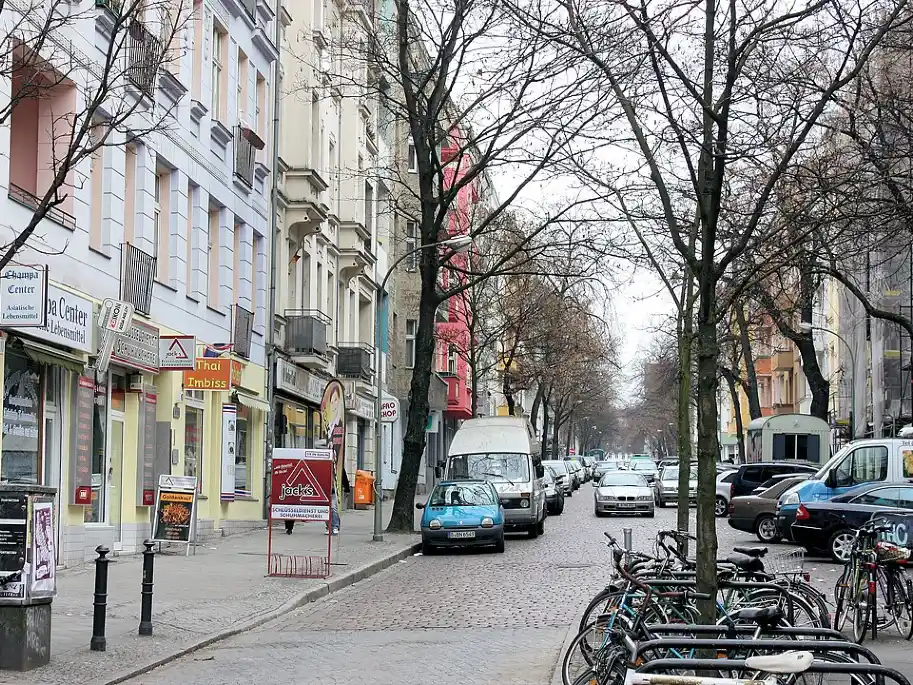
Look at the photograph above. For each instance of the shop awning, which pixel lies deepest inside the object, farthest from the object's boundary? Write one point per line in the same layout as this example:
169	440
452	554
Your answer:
43	354
252	402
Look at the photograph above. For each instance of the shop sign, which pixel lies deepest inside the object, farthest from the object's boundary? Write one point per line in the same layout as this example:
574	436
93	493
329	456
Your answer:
297	381
301	484
175	509
145	468
389	410
138	348
81	454
211	373
69	321
229	447
237	368
177	351
23	295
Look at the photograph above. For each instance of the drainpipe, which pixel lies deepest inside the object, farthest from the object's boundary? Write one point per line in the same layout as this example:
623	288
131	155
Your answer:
271	307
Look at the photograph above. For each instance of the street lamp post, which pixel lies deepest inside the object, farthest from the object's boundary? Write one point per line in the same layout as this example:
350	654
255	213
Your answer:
457	244
805	326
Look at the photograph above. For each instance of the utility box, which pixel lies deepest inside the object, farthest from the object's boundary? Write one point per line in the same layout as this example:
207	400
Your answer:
28	579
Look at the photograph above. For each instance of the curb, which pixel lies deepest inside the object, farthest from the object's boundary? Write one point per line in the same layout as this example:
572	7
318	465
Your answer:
572	631
290	605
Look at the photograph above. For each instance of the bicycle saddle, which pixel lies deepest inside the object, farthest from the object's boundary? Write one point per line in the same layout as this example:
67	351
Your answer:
745	562
787	662
751	551
764	616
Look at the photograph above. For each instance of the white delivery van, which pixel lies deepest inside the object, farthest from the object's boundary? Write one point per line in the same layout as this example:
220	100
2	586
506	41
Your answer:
505	451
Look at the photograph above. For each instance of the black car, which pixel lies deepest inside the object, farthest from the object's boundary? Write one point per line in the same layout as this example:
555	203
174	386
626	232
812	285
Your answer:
554	491
751	476
829	526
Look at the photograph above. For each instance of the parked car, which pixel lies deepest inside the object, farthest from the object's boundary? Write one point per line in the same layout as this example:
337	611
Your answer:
645	468
579	471
623	492
563	473
756	513
828	526
667	486
602	468
462	513
750	476
554	492
885	460
723	490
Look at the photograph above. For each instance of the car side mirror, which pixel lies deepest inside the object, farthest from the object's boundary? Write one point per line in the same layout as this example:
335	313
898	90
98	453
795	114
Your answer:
540	470
831	479
438	472
419	505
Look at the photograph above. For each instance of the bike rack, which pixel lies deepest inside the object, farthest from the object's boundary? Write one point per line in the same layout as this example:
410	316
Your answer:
735	585
851	648
880	672
817	633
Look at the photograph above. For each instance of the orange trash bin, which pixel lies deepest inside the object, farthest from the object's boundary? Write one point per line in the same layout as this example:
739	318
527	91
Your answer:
364	487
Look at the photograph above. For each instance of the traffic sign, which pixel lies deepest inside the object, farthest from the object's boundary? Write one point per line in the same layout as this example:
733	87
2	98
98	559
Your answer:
177	351
389	410
115	315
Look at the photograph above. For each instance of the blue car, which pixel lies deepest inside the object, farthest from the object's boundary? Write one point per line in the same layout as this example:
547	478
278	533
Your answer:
463	513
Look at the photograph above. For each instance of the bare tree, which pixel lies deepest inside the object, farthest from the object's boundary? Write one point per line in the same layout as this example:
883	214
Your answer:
80	103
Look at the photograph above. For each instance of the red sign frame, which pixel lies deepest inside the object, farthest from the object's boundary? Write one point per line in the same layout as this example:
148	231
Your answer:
301	489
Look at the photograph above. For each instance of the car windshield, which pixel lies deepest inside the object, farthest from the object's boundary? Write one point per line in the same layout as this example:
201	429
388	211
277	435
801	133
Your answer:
510	468
622	478
671	473
549	476
606	465
643	465
558	466
462	494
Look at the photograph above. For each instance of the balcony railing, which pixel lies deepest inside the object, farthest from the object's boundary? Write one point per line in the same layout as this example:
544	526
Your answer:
26	199
115	7
243	331
144	57
245	156
355	361
137	274
306	332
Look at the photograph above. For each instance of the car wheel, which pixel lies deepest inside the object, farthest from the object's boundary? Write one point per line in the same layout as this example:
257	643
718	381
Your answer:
721	508
597	513
840	544
650	514
540	527
427	548
661	502
560	509
570	493
766	529
499	545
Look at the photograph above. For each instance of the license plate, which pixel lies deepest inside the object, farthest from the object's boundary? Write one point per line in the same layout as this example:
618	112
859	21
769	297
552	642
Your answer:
626	505
461	534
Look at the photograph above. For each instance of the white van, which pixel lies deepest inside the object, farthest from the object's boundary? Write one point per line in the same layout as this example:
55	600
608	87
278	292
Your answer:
505	451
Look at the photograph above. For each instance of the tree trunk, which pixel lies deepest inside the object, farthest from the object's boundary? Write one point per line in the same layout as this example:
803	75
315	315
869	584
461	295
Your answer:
403	516
685	343
707	455
534	413
817	383
545	425
555	431
732	383
508	393
751	386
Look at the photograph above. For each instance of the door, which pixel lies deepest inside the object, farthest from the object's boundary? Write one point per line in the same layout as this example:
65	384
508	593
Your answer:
52	471
116	477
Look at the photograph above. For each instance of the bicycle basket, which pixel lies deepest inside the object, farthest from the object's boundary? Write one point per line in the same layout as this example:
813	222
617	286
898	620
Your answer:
785	562
888	551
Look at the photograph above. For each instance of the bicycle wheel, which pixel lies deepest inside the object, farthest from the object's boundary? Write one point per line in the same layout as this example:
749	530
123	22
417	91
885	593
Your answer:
861	612
577	665
815	599
607	599
841	599
899	608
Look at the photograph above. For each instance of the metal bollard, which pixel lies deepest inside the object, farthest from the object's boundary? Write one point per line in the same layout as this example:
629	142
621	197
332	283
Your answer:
627	534
145	619
99	642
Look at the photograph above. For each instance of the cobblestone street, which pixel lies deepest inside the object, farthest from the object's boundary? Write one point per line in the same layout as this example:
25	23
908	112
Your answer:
476	617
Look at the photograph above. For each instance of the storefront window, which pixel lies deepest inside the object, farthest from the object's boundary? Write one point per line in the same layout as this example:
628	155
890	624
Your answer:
95	512
21	461
242	460
193	443
303	428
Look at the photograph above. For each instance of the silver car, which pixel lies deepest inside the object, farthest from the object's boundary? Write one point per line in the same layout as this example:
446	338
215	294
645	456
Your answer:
623	492
563	473
667	486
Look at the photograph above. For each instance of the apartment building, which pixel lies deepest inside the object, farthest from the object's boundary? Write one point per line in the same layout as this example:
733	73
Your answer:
328	252
175	222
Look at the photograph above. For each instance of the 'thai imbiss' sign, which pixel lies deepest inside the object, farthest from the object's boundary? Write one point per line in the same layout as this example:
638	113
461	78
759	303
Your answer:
211	373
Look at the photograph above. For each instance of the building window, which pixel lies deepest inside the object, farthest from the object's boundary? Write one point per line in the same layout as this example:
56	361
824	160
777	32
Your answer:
129	193
413	159
411	245
451	359
95	513
193	436
242	453
96	240
241	101
411	330
21	461
218	41
213	265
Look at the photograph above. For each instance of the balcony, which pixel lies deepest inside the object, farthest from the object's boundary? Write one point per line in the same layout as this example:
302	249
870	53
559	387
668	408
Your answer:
355	245
143	58
26	199
137	274
355	360
243	332
782	360
245	155
306	337
459	397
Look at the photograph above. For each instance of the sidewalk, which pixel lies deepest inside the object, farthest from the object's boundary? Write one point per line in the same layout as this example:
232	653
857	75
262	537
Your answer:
198	599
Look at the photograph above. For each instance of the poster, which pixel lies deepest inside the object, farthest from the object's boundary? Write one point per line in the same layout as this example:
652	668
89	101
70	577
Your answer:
301	485
81	460
229	448
333	413
44	557
173	515
145	472
13	512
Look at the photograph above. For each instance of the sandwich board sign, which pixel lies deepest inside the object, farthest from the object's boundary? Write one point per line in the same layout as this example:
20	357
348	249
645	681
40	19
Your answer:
177	352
